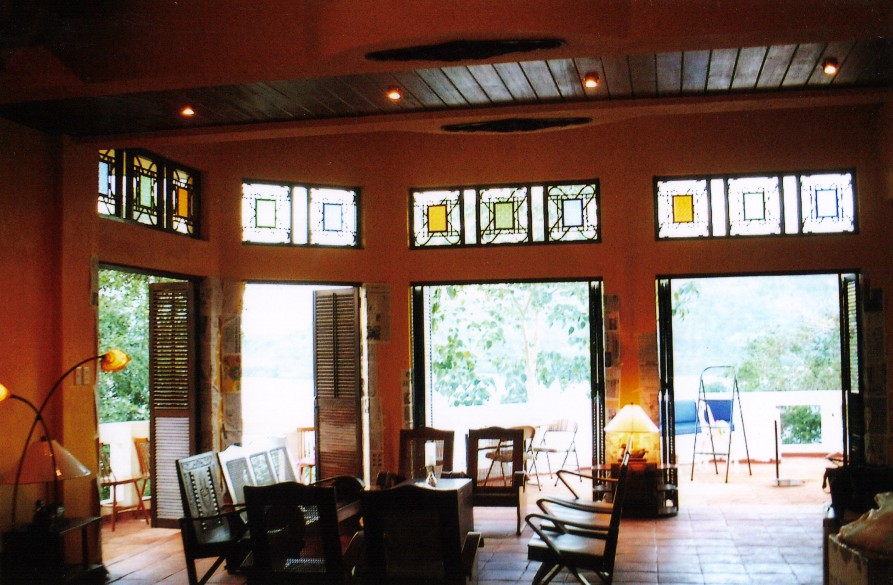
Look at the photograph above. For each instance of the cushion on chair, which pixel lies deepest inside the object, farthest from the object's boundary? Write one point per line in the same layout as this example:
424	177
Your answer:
686	417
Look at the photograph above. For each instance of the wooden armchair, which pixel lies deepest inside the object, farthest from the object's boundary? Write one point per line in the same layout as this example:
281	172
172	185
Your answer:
561	543
208	529
414	534
295	536
412	451
496	468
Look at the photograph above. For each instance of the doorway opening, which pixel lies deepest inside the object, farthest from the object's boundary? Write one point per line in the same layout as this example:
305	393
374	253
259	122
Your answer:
781	339
124	399
512	354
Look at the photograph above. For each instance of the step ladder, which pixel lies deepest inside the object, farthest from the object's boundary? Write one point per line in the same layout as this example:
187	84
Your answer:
717	395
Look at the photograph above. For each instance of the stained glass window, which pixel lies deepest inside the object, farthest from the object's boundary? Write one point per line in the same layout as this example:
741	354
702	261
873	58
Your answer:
505	215
572	212
754	206
299	214
109	202
138	186
771	204
683	208
828	204
437	218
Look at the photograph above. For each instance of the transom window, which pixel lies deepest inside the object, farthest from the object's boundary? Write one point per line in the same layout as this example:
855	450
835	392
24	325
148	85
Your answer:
138	186
300	214
505	214
755	205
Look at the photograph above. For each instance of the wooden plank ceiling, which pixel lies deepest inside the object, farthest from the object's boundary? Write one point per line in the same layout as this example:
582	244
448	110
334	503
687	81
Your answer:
689	74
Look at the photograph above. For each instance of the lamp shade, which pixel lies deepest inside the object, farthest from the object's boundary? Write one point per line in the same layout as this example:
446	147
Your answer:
38	464
631	419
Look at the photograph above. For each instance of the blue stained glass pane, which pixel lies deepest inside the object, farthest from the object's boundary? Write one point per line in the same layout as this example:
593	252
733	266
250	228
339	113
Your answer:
103	177
572	213
826	203
333	217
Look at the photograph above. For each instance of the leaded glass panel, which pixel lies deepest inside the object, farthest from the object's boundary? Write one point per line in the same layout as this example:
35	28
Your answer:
144	179
754	206
182	189
827	203
683	208
572	212
504	215
266	213
437	218
333	216
109	201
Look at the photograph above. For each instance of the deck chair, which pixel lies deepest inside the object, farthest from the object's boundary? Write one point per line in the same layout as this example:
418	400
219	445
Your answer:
413	534
557	437
412	451
495	464
209	529
295	537
576	546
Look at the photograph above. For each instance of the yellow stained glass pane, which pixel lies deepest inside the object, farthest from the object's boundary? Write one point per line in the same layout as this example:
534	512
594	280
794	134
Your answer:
437	218
683	208
182	202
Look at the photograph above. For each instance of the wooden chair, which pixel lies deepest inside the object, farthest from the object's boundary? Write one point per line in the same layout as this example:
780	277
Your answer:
413	535
412	451
144	457
487	447
209	529
108	479
295	536
560	543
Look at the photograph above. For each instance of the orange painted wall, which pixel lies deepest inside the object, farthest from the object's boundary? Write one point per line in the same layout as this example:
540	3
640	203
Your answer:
52	271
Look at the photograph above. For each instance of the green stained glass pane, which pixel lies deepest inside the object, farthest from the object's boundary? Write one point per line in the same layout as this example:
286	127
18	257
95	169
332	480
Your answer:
572	212
504	215
265	213
146	191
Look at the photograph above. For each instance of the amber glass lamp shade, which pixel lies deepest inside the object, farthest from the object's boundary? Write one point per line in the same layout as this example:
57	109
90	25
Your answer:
42	465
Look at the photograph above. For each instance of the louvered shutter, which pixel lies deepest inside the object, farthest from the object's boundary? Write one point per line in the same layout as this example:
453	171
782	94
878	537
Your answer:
171	392
336	351
853	398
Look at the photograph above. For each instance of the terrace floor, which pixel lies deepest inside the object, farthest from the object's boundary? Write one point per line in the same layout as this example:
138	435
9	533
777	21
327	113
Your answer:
748	530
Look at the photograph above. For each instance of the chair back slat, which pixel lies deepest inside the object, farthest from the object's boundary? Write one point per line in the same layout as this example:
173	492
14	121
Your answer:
412	450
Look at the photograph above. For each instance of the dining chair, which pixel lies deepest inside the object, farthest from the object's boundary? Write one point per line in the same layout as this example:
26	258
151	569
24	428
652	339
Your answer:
413	449
144	458
505	447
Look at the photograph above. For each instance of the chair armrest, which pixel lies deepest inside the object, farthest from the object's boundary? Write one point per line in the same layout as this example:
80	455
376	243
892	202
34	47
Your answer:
574	505
589	530
454	475
470	550
593	478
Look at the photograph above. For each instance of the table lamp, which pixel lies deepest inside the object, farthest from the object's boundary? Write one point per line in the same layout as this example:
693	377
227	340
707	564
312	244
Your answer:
632	420
46	460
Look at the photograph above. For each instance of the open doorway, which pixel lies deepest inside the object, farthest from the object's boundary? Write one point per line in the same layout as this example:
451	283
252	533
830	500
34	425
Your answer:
783	341
511	354
126	404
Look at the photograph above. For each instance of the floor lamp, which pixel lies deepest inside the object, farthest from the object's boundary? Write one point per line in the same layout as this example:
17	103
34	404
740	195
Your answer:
46	461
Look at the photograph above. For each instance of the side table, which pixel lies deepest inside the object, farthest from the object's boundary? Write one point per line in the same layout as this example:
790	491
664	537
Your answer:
37	555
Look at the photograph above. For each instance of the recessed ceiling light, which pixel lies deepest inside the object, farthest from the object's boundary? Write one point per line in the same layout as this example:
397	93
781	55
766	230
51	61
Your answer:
830	67
187	111
394	93
590	80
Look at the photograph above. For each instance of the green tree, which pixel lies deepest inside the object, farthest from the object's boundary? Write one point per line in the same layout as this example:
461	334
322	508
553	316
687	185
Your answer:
524	333
804	357
124	324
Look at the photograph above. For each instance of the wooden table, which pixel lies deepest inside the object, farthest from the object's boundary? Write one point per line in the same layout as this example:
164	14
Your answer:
460	489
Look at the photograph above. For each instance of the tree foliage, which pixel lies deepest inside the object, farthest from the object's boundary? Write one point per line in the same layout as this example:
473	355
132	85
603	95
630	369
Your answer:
124	323
500	341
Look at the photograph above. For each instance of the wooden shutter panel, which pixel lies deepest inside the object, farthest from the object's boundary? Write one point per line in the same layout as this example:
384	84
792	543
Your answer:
853	397
171	392
336	352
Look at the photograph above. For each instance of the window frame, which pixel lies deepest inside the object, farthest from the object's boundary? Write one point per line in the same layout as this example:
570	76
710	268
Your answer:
780	176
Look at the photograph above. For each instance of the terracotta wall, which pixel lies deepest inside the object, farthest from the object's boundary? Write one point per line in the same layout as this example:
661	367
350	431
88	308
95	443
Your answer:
52	275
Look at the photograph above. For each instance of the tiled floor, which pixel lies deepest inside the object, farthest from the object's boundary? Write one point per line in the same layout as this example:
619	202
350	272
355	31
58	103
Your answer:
746	531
